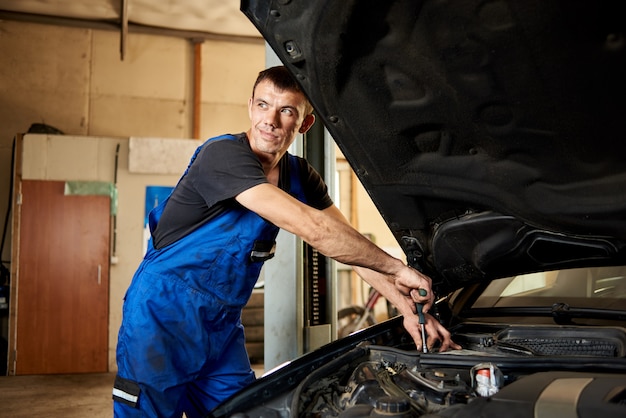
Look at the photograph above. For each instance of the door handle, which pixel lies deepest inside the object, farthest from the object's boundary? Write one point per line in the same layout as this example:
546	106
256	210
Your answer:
99	274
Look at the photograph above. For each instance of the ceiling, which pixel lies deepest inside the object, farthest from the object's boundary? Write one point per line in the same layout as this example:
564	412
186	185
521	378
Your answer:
188	18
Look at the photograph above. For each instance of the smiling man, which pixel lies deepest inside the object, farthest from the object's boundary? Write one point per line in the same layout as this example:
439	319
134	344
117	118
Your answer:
181	344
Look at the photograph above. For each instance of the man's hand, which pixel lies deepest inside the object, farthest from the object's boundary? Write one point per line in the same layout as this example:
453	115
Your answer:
434	330
410	281
404	297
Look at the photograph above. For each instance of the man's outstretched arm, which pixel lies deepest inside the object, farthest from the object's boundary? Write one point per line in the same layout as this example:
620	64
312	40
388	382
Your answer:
333	236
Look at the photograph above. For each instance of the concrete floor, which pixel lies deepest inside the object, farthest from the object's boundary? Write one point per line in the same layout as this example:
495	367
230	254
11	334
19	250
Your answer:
51	396
67	396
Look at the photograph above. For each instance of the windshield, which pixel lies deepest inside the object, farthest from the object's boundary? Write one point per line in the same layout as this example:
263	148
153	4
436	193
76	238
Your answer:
599	287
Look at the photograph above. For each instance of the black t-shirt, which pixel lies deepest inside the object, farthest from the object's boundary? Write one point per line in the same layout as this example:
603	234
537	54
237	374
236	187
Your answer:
222	170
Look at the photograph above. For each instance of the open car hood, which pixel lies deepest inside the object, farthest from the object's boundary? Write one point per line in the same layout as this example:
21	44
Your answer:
491	135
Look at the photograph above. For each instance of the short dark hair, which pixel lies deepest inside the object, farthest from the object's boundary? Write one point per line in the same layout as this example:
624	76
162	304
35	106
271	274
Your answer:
282	78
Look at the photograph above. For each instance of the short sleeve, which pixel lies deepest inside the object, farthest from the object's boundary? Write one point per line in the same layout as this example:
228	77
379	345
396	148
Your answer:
223	169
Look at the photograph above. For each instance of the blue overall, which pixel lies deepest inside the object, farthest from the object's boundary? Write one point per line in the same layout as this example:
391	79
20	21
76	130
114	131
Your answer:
181	344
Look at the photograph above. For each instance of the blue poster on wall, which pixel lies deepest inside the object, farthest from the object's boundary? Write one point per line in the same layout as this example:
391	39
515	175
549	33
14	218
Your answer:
154	196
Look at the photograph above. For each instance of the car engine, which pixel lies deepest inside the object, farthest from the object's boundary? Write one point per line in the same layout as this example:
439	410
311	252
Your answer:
542	370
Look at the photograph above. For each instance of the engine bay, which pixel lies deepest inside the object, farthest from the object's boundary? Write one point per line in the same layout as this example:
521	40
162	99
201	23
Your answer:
537	368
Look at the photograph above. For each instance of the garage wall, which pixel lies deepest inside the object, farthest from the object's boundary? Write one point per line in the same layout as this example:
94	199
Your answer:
73	79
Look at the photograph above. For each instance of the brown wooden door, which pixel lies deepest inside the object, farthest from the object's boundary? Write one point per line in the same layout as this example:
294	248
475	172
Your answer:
63	281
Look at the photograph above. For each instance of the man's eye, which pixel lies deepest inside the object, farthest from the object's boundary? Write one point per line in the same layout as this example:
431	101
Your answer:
288	111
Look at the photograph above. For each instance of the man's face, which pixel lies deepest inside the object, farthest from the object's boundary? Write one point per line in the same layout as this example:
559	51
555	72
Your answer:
276	116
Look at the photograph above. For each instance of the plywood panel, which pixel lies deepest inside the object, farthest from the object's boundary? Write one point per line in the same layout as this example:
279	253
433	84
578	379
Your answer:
160	155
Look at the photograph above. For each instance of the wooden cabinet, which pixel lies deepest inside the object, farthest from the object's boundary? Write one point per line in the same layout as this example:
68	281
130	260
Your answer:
62	286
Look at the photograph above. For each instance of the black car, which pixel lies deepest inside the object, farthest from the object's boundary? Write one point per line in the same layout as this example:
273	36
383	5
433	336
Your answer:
491	135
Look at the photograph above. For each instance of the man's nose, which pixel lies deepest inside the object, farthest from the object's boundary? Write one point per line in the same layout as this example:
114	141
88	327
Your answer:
272	118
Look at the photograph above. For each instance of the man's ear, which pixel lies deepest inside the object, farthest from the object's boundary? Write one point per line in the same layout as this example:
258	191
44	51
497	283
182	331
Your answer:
308	121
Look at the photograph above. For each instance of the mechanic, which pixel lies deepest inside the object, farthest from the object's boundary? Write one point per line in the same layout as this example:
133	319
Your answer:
181	343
